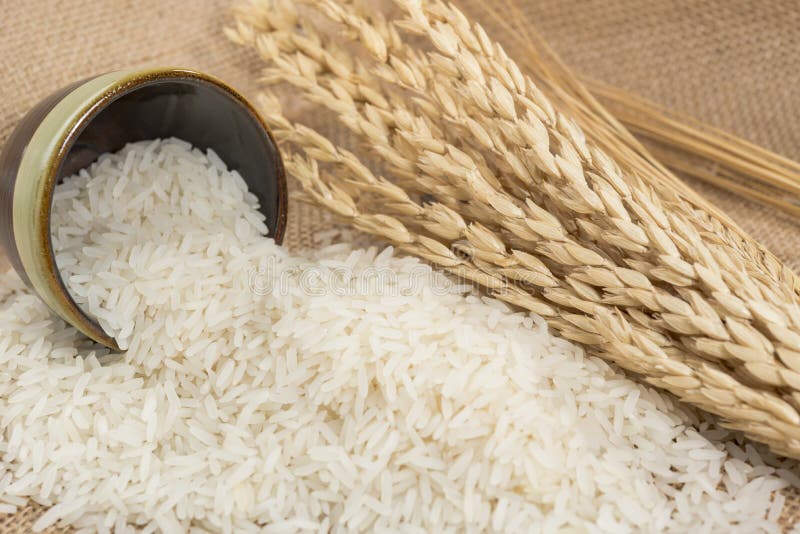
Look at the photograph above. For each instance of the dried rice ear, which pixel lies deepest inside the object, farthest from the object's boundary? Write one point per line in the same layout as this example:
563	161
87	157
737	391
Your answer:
636	269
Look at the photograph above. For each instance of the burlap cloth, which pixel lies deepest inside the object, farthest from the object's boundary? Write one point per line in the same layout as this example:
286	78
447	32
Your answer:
732	63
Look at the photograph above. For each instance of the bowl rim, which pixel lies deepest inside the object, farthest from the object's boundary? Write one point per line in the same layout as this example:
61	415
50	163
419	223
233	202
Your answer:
41	266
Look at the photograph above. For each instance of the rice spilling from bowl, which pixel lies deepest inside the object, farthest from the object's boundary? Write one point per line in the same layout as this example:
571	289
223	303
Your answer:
345	390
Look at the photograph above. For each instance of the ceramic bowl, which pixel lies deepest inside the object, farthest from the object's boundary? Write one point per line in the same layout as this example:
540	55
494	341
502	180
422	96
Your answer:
69	129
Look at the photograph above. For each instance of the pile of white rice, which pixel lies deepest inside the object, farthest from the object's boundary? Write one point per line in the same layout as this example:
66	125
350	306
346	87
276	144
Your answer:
348	391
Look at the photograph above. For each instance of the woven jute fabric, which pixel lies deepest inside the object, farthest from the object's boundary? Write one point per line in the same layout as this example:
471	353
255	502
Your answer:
732	63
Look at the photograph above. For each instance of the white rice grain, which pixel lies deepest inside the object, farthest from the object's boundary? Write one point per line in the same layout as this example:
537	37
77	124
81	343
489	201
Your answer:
333	400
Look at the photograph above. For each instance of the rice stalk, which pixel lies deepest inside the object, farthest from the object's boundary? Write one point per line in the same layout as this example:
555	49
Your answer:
642	275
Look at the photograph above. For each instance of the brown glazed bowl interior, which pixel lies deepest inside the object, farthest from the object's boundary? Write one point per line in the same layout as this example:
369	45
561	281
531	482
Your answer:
74	126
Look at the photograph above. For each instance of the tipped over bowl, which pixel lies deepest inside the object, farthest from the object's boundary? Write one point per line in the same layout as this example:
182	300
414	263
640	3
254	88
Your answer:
72	127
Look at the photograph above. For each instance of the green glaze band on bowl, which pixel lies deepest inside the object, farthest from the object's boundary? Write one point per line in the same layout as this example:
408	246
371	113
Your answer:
68	130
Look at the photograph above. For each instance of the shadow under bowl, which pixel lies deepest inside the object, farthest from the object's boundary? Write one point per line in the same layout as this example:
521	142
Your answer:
71	128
